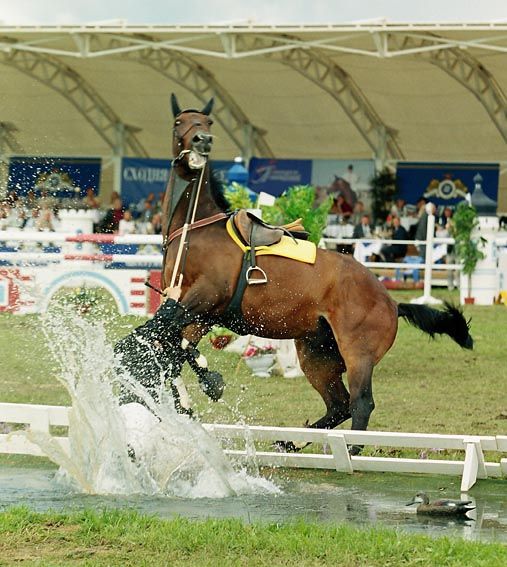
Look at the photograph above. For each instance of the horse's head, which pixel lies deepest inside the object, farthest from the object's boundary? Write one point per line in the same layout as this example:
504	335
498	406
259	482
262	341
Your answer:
192	140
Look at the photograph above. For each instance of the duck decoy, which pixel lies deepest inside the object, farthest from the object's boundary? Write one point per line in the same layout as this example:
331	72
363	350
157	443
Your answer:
441	507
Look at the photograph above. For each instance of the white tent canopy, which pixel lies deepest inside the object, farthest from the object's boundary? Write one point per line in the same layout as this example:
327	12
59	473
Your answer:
432	92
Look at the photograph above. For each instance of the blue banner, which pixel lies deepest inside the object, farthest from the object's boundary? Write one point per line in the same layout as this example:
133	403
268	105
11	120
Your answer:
63	178
275	176
142	176
445	183
221	168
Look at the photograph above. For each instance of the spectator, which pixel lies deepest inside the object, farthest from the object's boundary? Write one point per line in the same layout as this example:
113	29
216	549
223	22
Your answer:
419	211
111	221
45	221
156	224
422	227
341	208
90	201
364	229
358	213
389	252
32	222
126	224
399	208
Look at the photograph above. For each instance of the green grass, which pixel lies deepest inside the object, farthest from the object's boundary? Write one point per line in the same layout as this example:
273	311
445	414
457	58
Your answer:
111	538
421	385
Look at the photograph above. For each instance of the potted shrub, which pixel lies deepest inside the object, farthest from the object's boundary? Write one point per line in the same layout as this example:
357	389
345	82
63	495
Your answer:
260	359
468	247
383	191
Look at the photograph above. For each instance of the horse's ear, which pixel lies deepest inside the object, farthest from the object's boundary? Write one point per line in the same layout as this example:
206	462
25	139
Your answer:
208	108
174	105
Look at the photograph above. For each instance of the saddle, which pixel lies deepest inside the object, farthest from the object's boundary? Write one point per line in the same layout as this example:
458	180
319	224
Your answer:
255	232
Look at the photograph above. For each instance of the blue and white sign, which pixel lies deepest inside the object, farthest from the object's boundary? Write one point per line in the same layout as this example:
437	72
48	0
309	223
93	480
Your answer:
445	183
141	176
60	177
275	176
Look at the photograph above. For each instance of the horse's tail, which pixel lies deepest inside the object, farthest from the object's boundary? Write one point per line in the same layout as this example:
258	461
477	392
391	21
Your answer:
449	321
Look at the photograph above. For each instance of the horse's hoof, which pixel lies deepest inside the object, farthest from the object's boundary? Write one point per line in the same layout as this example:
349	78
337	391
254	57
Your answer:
285	447
355	450
212	384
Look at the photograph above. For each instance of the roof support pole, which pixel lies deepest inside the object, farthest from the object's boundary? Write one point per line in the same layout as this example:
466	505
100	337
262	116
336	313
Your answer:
118	153
381	152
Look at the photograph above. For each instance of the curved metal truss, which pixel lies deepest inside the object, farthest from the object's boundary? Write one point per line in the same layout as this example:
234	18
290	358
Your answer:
464	68
181	69
51	72
8	141
172	49
321	70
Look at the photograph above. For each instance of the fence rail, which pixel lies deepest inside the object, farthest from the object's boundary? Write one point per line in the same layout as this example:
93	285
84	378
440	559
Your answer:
330	446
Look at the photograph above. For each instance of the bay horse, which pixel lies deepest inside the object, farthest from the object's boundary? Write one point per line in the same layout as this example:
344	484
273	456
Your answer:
341	317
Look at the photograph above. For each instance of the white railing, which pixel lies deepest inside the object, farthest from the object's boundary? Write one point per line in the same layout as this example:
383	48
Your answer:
330	447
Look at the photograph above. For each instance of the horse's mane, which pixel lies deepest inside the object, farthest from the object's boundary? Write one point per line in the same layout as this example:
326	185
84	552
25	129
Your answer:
218	191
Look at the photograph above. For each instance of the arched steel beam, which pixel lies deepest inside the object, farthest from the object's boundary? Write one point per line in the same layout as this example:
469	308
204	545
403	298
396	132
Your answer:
464	68
8	141
324	72
51	72
183	70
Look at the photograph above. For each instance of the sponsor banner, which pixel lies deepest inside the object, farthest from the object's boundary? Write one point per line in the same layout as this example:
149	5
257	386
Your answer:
142	176
274	176
445	183
221	168
63	178
345	176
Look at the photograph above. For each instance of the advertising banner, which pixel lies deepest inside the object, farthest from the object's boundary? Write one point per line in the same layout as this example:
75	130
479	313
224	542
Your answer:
63	178
446	183
142	176
274	176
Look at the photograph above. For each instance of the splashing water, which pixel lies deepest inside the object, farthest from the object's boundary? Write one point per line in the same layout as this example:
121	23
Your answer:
174	455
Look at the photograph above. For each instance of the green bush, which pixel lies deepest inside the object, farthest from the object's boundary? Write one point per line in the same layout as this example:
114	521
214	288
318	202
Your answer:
299	202
238	197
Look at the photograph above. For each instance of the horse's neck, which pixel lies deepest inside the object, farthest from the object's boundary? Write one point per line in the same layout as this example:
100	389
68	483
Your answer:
206	205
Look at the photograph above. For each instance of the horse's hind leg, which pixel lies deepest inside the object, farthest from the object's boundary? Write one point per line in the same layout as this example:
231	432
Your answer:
323	367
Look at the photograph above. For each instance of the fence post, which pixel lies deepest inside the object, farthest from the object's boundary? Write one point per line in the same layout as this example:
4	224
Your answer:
428	262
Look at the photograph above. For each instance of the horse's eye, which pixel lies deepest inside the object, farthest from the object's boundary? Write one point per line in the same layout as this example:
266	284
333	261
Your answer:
177	122
210	122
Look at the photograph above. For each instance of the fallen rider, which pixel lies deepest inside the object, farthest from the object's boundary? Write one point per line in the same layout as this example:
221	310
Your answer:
155	352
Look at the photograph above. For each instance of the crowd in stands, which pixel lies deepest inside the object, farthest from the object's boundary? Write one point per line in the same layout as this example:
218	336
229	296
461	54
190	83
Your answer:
41	212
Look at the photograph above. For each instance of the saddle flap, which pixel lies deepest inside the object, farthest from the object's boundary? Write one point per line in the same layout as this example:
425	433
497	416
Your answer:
253	232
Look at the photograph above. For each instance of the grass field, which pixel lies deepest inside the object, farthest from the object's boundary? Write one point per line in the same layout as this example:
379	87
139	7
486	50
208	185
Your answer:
421	385
113	538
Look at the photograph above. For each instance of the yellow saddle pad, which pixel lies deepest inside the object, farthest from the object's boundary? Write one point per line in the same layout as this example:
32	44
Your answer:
300	250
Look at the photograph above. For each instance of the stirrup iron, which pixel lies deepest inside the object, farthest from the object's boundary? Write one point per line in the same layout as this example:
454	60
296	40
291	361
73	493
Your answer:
252	280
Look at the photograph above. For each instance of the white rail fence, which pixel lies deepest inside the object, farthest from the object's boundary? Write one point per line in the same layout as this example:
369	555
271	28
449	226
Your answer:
330	447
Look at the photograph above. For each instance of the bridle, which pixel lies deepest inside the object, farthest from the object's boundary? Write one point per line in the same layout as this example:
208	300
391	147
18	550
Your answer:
180	137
